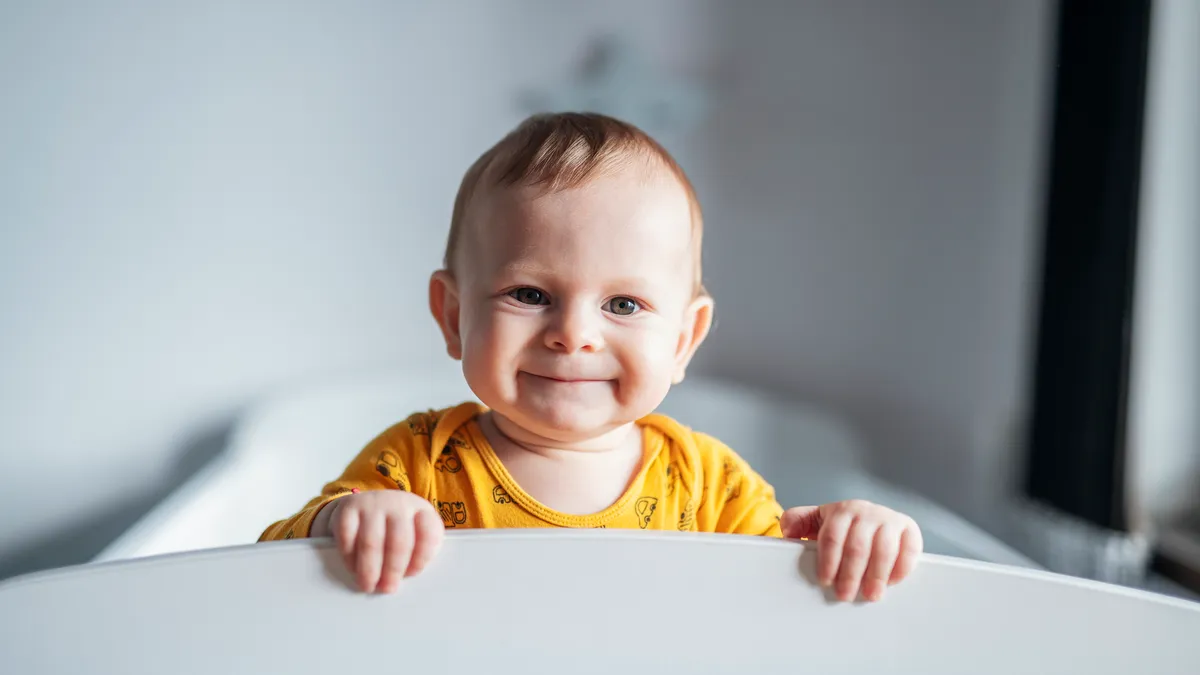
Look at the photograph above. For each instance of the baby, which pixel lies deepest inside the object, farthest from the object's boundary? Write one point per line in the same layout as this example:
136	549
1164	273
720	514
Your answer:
571	292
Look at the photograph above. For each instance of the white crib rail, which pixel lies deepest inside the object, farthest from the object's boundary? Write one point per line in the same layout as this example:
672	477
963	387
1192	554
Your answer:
569	601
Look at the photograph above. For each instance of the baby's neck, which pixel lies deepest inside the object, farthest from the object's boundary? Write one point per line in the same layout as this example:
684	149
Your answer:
517	437
578	478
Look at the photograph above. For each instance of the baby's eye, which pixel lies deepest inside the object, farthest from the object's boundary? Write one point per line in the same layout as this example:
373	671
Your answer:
529	296
623	306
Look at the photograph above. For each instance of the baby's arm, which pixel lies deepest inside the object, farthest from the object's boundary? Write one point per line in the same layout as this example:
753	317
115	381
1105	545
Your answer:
360	475
860	545
384	535
736	499
384	531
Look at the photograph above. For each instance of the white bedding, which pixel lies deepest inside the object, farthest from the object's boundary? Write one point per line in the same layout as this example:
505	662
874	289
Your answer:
286	448
563	601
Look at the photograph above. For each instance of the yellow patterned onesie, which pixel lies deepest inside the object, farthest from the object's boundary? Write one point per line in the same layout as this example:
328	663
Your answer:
688	481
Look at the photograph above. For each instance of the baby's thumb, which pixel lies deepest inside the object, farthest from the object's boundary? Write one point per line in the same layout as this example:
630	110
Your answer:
801	522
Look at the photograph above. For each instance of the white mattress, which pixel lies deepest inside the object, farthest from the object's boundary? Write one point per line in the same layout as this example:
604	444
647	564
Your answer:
294	442
563	601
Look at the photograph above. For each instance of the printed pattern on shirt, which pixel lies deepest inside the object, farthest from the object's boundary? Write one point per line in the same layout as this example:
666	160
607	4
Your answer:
733	479
454	514
687	519
644	508
388	465
448	461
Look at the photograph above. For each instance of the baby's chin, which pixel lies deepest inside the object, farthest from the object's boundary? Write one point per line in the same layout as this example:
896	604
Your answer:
563	421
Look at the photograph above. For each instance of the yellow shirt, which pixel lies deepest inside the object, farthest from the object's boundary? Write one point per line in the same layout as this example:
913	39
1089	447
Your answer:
688	481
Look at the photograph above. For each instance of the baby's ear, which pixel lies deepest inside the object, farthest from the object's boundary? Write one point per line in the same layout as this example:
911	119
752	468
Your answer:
696	323
443	303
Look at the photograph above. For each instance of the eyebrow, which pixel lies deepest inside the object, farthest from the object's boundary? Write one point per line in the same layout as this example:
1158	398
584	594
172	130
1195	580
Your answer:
526	268
541	270
635	285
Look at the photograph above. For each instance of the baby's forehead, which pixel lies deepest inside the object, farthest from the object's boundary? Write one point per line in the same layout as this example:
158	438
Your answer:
631	224
634	206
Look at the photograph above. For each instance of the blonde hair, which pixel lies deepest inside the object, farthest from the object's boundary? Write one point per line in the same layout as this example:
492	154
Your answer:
560	151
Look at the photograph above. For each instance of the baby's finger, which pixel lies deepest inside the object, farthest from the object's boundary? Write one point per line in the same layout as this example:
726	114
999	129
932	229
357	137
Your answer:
369	550
344	526
883	560
911	545
397	551
430	532
830	541
855	555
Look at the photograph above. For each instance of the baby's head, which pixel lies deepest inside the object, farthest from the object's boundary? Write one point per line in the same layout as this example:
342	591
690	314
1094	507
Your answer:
571	289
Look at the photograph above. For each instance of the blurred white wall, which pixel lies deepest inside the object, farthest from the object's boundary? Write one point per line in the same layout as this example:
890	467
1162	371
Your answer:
200	202
874	189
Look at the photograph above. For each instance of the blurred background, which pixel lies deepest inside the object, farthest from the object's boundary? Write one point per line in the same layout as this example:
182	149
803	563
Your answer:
202	204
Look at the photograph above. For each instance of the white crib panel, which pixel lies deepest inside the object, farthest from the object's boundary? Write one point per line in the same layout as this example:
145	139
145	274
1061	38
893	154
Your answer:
554	602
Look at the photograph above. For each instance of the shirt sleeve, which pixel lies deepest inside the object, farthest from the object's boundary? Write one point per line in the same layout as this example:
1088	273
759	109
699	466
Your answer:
735	499
397	459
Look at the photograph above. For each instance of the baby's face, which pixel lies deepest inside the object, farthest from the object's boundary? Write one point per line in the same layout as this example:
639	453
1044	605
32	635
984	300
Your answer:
576	309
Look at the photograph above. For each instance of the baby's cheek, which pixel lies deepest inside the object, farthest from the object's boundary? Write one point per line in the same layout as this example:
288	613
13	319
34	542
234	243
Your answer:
648	364
480	355
494	350
484	333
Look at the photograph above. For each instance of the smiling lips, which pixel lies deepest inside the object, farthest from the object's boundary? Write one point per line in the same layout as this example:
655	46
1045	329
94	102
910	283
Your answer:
567	379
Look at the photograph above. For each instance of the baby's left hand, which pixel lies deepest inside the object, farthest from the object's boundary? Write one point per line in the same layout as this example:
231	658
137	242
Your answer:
859	545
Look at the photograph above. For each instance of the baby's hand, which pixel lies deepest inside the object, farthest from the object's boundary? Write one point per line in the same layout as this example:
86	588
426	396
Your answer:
384	535
859	544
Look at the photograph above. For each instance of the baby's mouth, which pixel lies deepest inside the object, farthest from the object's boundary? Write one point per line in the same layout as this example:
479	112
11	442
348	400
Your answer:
565	379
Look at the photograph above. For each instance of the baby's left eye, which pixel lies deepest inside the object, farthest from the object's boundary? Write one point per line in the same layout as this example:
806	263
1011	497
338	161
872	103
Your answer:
623	306
528	296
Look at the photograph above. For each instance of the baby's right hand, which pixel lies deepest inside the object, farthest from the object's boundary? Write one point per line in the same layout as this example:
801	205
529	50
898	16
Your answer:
385	536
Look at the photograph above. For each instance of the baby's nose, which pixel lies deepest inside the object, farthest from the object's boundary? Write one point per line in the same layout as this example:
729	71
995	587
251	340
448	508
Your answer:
575	329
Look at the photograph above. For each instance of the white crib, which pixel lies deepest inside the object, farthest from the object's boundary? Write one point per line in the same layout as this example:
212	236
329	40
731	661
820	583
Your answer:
564	601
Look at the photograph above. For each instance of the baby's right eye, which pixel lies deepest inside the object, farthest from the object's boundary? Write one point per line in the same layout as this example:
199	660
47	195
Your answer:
529	296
